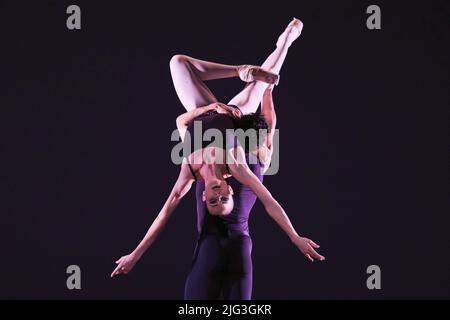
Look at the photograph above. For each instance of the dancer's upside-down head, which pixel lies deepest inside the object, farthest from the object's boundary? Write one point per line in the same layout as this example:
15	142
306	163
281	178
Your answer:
218	196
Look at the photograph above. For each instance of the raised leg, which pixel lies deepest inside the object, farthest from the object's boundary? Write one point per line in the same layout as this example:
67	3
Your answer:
249	99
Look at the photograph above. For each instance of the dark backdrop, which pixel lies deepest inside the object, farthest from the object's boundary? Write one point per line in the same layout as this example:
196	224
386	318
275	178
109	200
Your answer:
86	122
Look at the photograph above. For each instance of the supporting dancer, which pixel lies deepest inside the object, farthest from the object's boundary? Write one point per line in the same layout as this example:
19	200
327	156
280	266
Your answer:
188	75
222	263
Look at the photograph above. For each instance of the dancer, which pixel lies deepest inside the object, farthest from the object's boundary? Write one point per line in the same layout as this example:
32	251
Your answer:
188	75
222	263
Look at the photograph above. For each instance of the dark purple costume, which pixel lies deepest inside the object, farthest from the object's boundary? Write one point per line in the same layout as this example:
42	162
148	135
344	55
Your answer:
222	263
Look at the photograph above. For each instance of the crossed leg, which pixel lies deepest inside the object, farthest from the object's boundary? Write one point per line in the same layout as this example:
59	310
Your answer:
249	99
189	74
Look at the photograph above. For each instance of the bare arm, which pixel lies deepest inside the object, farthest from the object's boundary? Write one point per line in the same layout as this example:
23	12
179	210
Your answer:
181	187
268	112
240	170
179	190
186	118
244	175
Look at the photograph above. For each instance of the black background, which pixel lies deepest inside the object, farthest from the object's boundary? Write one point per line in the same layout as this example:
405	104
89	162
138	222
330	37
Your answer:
86	122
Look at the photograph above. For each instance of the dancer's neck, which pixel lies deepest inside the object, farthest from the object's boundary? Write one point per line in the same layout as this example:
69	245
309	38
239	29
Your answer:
212	172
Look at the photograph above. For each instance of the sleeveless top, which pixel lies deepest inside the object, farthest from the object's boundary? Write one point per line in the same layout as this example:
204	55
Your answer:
210	129
236	222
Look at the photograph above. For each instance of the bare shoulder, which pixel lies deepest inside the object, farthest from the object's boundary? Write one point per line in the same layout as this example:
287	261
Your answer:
235	157
238	165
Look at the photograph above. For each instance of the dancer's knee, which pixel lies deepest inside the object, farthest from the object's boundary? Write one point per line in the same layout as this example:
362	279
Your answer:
178	59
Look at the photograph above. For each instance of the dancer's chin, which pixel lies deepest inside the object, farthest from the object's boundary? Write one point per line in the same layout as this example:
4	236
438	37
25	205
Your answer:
221	210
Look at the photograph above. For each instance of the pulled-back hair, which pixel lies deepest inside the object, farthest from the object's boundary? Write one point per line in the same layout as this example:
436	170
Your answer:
253	121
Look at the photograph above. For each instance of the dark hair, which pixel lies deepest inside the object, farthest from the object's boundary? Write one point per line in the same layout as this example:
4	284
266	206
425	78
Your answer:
251	121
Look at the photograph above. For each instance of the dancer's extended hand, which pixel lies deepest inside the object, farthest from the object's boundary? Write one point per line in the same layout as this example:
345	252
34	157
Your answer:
307	246
125	264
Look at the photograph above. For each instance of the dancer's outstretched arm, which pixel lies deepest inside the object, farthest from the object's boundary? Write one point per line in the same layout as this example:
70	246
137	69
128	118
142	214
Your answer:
181	187
240	170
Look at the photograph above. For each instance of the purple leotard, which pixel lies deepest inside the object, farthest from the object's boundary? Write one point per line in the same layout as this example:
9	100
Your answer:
222	263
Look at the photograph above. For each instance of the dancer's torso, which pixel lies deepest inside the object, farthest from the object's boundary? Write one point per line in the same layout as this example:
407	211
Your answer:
199	141
207	140
235	223
203	131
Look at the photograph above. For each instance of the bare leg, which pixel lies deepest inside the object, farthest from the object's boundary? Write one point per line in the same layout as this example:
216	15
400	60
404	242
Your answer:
249	99
188	75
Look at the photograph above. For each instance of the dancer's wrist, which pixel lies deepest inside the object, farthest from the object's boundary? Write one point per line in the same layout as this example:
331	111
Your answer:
294	236
137	253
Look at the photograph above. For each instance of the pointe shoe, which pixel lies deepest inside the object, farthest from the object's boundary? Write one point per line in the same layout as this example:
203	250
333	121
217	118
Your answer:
249	73
291	33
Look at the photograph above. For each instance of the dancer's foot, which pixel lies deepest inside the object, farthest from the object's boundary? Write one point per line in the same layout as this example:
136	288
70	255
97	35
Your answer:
292	32
249	73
